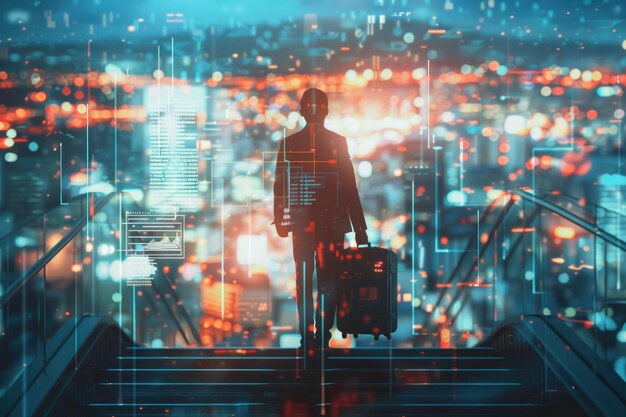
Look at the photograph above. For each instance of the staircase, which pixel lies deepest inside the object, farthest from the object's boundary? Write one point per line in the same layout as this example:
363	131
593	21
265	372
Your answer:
275	382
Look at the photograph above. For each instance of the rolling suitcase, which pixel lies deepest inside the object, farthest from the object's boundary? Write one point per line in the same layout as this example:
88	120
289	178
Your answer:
367	292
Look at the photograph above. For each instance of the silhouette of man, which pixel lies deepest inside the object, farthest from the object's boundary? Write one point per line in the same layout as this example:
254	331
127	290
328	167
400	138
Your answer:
316	199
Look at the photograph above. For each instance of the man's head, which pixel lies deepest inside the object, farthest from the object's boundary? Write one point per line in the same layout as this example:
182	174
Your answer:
314	105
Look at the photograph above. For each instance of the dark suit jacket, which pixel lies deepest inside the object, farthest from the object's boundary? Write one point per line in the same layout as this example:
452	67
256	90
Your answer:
314	181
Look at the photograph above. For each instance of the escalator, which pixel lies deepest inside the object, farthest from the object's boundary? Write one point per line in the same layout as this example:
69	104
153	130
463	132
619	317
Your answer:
527	324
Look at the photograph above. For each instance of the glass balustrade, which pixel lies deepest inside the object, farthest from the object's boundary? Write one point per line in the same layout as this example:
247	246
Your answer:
69	262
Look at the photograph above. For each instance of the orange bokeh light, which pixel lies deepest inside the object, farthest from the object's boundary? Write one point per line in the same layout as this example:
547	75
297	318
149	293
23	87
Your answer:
564	232
444	338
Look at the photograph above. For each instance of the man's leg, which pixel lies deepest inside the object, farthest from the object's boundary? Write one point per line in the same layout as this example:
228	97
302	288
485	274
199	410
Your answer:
326	259
303	256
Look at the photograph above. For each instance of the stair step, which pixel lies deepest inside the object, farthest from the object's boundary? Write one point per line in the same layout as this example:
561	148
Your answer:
217	409
262	375
281	352
406	405
279	393
201	375
446	409
443	365
475	390
419	362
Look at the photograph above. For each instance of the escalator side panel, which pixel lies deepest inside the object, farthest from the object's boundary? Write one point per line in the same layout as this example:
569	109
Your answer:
531	341
94	343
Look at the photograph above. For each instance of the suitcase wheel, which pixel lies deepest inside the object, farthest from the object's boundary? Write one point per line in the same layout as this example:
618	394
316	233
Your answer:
376	336
344	335
388	336
356	335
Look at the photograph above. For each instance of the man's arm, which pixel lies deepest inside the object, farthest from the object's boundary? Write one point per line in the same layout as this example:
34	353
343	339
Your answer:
349	193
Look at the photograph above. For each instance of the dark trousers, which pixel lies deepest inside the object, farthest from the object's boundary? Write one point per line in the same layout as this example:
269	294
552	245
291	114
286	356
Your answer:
319	250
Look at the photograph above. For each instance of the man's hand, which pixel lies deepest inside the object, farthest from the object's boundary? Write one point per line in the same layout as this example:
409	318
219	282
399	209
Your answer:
280	229
361	237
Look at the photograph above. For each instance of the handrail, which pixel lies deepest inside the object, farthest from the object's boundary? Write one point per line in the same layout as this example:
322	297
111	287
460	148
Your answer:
181	306
584	224
471	244
52	252
482	252
591	228
37	217
576	200
169	311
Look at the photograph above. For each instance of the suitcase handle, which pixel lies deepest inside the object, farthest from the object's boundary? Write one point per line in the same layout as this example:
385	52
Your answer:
369	245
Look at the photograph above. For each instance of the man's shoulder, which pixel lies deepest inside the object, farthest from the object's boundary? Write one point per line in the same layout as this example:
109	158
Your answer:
335	135
295	137
331	138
